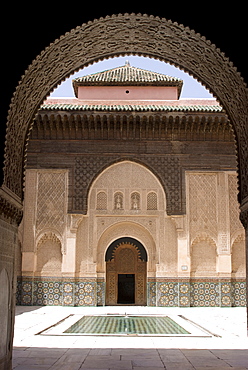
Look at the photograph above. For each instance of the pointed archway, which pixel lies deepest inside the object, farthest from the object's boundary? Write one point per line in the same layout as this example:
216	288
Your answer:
126	273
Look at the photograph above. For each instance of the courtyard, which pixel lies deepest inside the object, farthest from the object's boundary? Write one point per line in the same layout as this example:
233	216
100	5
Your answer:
218	341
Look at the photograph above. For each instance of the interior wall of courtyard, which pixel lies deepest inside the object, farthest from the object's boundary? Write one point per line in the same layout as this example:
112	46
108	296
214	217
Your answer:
180	205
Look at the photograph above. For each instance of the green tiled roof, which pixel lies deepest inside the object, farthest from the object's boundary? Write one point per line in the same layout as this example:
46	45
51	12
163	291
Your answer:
127	75
131	107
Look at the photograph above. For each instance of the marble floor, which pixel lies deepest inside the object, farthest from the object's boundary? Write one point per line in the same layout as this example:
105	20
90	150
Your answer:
225	346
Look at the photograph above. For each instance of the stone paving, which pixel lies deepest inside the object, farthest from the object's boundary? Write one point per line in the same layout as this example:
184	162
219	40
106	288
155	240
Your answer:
228	350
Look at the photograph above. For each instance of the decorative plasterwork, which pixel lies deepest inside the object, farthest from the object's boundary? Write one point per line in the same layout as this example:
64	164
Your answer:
120	35
166	168
48	236
73	222
51	205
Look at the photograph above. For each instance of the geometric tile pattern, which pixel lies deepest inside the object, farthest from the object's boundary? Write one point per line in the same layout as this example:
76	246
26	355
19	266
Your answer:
225	294
151	293
184	294
205	294
167	294
57	292
91	292
100	292
238	293
197	293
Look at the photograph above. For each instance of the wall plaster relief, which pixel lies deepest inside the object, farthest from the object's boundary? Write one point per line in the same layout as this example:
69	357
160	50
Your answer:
171	241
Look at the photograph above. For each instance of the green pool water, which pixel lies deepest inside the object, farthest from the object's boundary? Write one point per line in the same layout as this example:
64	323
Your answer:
126	325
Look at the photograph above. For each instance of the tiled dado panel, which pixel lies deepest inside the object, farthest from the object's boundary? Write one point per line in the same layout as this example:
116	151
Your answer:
164	293
221	294
56	292
100	293
197	293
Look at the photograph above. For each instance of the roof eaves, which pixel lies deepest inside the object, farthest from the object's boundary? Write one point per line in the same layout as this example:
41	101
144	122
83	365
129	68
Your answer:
130	107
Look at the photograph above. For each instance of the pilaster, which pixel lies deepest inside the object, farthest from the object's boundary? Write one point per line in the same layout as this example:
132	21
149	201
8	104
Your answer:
29	212
10	217
223	213
244	220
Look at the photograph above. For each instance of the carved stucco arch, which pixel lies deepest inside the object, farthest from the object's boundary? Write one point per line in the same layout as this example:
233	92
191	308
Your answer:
48	234
204	237
120	35
126	229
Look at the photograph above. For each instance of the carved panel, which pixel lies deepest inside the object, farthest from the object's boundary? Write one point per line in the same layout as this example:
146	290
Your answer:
101	201
125	261
118	200
202	194
51	202
152	201
234	211
111	288
222	214
135	201
140	290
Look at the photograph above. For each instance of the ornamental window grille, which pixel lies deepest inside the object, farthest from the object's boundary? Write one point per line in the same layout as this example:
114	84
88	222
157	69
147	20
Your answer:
101	201
118	200
152	201
135	201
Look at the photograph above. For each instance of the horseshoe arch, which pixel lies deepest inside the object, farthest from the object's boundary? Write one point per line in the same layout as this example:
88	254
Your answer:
114	35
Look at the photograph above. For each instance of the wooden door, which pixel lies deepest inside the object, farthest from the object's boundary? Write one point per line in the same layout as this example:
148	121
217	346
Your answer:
126	260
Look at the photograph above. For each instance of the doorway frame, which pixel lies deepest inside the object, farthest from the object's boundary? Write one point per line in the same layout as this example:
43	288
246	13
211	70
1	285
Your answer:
118	261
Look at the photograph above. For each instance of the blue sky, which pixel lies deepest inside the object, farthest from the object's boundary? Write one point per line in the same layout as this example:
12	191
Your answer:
191	87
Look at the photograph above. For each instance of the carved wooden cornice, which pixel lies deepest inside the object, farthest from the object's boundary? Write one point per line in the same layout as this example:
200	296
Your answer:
244	213
10	206
132	125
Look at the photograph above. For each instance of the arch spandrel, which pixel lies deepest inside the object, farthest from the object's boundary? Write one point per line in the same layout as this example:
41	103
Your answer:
119	35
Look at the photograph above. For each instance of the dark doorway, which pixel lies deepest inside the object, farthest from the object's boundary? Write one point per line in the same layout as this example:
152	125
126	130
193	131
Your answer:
126	289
